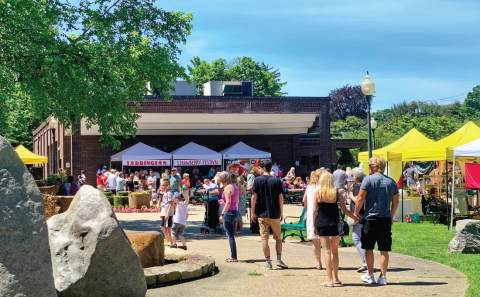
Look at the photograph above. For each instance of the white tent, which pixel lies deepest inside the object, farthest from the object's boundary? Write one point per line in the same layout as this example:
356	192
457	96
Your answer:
193	154
243	151
471	149
141	154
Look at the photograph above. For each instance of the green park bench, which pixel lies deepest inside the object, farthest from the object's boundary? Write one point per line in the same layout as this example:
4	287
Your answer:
293	228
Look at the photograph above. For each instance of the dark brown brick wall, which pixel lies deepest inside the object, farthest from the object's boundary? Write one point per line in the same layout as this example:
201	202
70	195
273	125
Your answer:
214	104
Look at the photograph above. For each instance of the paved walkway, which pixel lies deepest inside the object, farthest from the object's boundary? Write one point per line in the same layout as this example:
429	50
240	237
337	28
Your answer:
407	276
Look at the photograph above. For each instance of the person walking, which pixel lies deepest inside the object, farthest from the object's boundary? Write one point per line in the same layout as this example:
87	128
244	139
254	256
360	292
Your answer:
308	204
327	218
180	222
175	182
267	207
379	197
167	210
229	213
340	177
353	191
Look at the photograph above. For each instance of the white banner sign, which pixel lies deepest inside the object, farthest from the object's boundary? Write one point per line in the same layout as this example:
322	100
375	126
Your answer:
165	163
214	162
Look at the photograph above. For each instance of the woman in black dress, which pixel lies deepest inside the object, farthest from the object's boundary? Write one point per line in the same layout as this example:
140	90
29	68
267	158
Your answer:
327	218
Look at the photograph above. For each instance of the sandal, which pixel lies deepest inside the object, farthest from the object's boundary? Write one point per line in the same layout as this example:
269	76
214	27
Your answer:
328	284
338	284
231	260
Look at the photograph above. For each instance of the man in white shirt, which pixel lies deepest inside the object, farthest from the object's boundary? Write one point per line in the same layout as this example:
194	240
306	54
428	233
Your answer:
112	182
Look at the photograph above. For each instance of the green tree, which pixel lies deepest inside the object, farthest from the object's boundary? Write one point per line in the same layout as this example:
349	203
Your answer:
19	118
472	102
350	128
89	59
265	79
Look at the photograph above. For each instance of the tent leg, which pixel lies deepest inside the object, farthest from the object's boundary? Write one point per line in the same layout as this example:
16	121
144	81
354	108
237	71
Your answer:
403	188
453	193
446	192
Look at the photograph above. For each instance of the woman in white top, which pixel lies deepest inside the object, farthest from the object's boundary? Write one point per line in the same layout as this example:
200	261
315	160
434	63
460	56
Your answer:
308	203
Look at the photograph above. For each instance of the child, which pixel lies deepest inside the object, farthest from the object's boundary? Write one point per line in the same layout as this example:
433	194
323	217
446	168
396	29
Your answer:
167	210
180	222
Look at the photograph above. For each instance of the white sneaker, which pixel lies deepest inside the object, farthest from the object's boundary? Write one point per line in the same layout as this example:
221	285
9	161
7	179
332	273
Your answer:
368	279
382	280
268	265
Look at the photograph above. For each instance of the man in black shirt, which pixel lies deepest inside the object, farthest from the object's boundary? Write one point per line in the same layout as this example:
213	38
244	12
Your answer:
267	206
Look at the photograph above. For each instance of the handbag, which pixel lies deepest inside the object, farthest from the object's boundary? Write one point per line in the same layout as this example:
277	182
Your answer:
343	228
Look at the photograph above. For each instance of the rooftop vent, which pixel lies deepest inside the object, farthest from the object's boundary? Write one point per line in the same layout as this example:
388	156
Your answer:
228	88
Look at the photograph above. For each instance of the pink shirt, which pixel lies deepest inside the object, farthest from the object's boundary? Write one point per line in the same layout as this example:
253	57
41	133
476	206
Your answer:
234	199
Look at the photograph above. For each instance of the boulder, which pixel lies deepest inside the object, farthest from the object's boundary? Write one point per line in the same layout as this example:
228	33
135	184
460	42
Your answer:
25	264
149	247
91	255
467	239
53	205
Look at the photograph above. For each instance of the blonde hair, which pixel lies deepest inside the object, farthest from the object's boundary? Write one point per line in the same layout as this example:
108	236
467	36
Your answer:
379	162
227	178
314	177
327	191
186	175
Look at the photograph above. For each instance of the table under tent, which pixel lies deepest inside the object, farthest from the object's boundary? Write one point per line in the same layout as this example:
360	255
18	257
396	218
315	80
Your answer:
140	156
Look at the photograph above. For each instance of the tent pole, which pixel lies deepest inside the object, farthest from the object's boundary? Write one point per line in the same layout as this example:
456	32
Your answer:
403	188
446	190
453	192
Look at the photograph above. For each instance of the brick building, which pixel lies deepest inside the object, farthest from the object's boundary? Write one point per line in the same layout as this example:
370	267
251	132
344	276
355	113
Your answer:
296	130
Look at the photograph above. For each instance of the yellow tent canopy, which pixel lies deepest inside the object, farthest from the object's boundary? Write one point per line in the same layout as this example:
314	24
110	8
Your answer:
28	157
443	149
393	152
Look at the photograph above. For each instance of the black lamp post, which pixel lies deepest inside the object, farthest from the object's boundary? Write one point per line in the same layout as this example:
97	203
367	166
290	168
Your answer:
368	89
53	126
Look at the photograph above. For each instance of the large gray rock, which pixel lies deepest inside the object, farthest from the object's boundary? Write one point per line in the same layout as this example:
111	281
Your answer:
91	255
467	239
25	265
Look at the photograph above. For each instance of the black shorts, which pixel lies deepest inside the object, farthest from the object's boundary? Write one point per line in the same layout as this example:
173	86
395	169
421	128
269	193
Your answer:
377	231
327	231
166	221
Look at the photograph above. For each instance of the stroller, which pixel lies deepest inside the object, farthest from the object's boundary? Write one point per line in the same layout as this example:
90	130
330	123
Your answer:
211	222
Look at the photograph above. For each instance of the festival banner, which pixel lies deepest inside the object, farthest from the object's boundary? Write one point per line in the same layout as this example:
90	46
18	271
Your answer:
146	163
203	162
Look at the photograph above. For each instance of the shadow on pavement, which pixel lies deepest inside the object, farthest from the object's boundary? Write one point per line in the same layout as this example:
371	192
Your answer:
398	284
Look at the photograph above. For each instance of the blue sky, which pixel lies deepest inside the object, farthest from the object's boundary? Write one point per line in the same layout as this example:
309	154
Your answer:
415	50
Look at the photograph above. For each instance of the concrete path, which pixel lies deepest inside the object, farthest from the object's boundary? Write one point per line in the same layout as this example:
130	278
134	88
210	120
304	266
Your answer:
407	276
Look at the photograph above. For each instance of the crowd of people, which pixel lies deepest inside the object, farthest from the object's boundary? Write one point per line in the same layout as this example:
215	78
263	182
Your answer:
369	201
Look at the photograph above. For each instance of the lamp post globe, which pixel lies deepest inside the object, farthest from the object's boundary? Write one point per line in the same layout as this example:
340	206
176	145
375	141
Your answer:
368	89
368	85
374	125
53	124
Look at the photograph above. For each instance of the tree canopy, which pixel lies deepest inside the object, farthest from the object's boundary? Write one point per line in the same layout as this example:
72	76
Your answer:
348	101
87	59
265	79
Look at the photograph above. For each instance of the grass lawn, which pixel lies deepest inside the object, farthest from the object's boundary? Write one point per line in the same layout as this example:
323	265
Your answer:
430	242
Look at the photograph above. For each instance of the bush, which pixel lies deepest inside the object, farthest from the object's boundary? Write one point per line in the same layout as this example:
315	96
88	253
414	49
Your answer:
120	201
